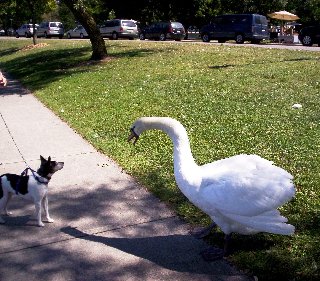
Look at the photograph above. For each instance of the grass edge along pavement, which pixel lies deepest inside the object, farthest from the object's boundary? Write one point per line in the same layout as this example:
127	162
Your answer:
231	100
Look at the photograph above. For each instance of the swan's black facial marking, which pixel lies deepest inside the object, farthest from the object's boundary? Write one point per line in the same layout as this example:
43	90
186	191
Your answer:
133	136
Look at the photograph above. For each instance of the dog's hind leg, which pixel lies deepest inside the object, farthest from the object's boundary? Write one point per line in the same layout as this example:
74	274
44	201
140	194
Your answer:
46	208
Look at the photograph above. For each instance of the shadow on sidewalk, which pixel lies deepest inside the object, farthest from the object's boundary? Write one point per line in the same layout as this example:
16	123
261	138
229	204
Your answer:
13	87
172	251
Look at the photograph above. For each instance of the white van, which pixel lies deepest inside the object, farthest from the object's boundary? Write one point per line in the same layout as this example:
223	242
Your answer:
119	28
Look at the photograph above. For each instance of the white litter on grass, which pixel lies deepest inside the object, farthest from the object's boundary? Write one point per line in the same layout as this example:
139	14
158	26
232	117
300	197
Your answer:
297	106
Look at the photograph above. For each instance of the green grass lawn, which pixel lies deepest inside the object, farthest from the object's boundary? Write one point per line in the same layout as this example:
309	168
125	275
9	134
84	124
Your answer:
231	100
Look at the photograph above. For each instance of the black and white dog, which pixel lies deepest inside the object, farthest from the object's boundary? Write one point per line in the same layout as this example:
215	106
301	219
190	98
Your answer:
33	187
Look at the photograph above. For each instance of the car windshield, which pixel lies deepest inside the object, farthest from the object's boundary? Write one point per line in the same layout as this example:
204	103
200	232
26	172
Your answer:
261	20
176	25
56	24
129	23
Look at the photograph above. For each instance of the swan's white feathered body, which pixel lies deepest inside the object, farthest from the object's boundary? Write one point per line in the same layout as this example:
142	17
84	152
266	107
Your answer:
241	194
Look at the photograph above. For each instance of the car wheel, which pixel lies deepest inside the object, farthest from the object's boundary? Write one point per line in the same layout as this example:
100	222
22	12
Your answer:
81	35
45	35
205	37
114	36
17	35
26	35
307	40
142	36
239	38
162	37
69	36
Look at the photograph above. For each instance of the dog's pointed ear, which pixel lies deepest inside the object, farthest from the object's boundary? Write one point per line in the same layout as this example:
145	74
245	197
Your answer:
49	158
42	159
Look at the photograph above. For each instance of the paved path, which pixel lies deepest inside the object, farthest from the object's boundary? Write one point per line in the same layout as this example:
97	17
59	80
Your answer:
106	227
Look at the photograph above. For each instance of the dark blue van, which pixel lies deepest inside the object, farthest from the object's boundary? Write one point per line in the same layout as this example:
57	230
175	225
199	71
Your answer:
241	27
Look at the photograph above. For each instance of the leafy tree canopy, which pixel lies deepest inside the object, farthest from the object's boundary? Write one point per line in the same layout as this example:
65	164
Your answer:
13	13
189	12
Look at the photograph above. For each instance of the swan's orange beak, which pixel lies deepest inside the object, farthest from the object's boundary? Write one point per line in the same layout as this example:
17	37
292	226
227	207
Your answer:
133	136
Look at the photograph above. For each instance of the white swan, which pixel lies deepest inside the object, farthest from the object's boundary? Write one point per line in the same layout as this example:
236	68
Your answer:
240	194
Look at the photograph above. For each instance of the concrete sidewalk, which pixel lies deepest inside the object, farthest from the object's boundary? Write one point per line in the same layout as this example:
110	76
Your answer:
106	227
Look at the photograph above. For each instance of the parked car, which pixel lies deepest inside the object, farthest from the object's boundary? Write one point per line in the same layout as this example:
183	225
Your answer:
10	31
50	29
2	32
310	35
192	33
78	32
119	28
163	30
241	27
25	30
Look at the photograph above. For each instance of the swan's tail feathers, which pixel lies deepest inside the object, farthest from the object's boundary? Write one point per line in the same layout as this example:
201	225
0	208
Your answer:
273	216
271	222
279	228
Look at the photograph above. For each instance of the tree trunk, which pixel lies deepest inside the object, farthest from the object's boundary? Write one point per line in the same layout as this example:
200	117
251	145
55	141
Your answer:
34	34
99	50
32	9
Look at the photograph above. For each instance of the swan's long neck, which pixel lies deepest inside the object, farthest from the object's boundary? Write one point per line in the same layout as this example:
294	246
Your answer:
185	168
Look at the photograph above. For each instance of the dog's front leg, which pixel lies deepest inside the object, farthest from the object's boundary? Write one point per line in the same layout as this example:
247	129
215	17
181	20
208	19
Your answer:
46	209
38	213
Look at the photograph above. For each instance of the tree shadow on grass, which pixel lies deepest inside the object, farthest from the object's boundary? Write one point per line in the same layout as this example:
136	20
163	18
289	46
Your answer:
8	52
38	69
41	68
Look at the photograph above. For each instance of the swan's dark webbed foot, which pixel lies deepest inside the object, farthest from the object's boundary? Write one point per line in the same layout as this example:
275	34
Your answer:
214	253
203	232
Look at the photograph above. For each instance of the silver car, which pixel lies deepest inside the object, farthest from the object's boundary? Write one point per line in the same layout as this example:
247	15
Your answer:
119	28
50	29
78	32
25	30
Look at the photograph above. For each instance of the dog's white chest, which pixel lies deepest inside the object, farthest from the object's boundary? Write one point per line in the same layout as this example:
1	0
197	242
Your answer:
36	190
